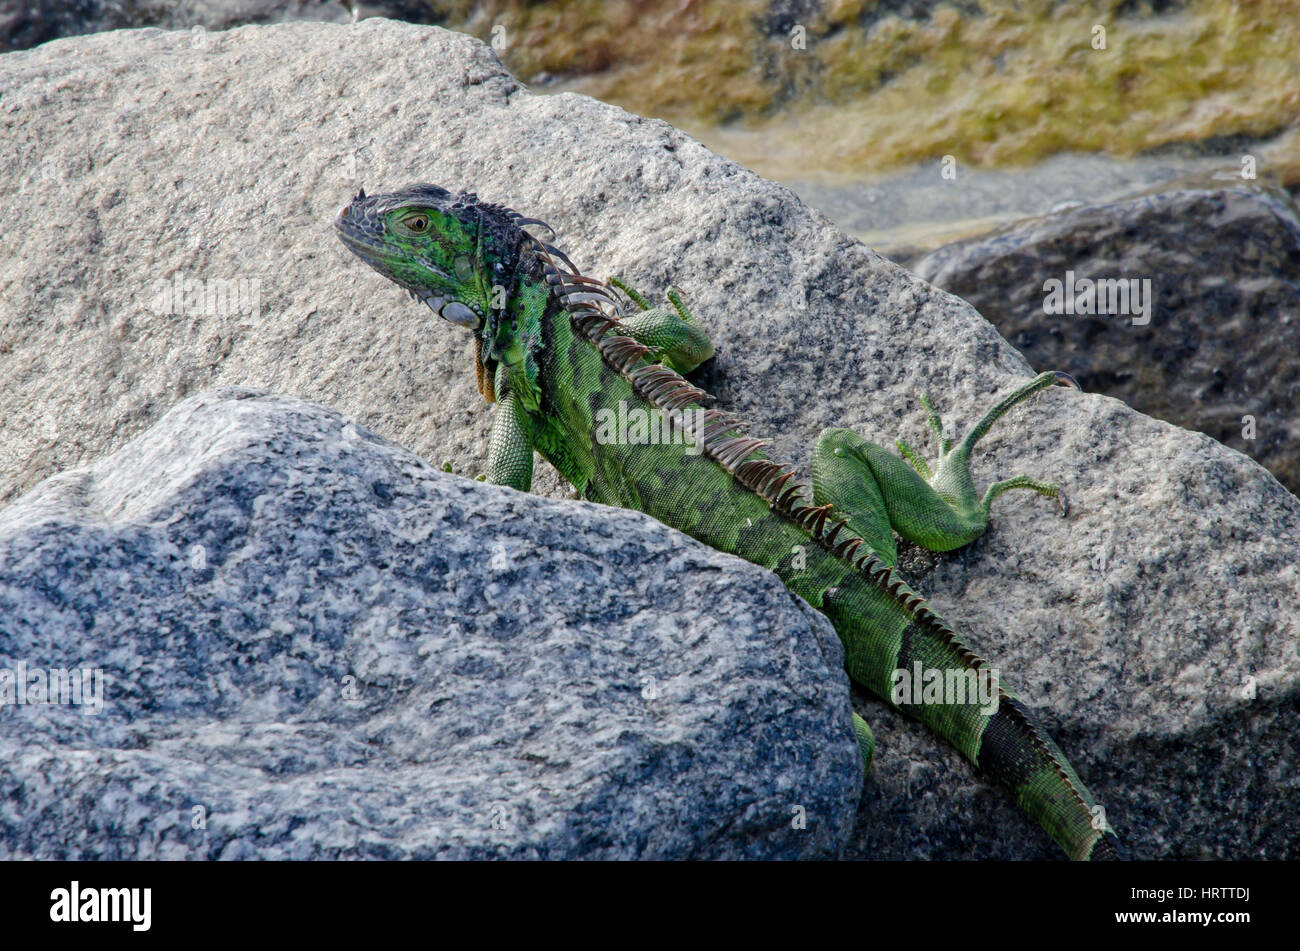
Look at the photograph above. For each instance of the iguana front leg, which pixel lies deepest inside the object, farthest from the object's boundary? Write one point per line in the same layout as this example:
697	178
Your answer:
882	493
510	446
681	341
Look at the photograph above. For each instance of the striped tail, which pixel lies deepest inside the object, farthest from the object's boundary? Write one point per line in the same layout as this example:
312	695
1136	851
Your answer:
1016	752
917	670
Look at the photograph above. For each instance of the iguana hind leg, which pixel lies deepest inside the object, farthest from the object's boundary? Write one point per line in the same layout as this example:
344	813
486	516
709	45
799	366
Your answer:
681	341
939	510
841	477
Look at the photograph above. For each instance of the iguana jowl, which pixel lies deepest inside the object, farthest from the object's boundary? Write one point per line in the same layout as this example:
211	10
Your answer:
554	350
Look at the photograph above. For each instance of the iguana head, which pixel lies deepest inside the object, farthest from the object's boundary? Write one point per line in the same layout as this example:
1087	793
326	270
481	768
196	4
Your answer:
449	251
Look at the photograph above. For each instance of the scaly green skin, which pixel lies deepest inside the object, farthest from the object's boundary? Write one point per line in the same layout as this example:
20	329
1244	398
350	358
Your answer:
561	368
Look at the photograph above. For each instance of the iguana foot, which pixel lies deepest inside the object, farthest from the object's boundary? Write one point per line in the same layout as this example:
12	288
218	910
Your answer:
681	342
940	510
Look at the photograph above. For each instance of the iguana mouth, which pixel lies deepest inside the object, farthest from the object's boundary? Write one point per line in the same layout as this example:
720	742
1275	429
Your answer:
351	225
352	234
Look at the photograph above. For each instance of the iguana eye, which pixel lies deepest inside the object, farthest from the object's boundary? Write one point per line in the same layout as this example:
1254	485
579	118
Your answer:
417	223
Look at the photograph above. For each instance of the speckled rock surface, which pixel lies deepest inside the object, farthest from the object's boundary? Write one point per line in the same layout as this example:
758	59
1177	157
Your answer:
330	649
1154	629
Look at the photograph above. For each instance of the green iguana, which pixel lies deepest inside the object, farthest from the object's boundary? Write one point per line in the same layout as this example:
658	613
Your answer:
561	355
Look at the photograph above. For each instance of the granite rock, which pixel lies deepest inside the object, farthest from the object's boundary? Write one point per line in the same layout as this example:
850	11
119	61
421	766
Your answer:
1154	630
311	644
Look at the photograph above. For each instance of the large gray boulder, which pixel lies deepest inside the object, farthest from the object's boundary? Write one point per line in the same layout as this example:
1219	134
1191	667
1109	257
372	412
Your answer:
315	645
1153	629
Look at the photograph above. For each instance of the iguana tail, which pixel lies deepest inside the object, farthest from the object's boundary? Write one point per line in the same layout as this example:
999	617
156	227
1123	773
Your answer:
923	668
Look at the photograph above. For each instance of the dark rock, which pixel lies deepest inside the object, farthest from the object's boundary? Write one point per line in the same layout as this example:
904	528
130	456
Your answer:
1223	338
26	23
